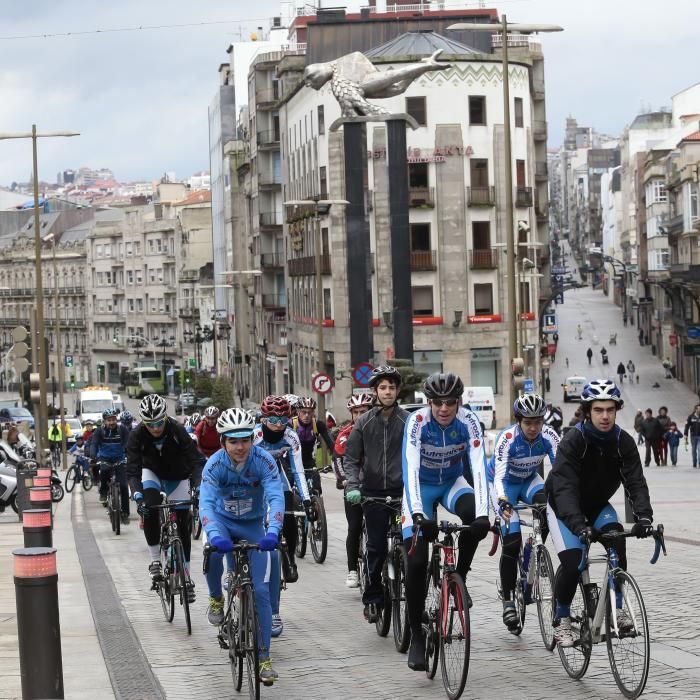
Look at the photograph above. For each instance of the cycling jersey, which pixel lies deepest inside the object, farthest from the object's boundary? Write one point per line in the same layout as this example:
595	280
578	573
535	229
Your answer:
231	493
208	438
109	443
436	455
515	459
309	434
339	453
288	442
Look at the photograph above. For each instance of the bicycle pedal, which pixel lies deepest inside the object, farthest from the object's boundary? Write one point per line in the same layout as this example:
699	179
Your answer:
222	642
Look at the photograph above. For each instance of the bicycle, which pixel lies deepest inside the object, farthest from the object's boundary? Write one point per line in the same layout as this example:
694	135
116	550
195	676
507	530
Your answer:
317	530
175	579
446	621
114	495
362	559
75	475
394	580
240	629
594	618
535	581
195	521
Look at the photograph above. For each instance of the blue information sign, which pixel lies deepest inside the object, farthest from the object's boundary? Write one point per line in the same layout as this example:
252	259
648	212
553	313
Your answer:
529	386
693	332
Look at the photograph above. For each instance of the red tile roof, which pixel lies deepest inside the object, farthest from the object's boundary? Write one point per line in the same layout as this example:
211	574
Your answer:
199	197
695	136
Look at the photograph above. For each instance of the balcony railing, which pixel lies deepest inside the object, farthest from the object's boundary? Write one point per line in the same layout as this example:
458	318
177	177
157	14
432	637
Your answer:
266	96
421	196
307	265
484	259
481	196
270	218
274	301
272	259
269	179
188	311
269	138
523	196
422	260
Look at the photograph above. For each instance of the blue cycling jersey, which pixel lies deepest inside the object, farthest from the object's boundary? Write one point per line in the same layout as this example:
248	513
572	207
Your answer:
289	445
515	459
433	454
232	493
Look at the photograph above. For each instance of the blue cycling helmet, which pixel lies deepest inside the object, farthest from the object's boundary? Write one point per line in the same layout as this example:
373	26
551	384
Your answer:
126	417
108	413
601	390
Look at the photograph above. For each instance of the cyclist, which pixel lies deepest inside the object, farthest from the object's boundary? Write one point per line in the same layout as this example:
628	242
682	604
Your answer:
127	420
593	460
241	485
205	432
55	435
443	447
310	430
358	404
78	451
191	422
513	475
372	465
162	457
292	400
108	446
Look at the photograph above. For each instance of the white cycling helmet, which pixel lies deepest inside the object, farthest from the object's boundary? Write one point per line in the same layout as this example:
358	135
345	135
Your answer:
601	390
211	412
152	408
235	423
529	406
359	400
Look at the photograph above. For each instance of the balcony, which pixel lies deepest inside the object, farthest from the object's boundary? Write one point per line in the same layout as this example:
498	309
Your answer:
538	89
539	130
480	196
269	260
541	171
422	260
484	259
274	301
188	276
523	197
421	196
10	321
266	98
268	139
270	180
188	311
307	265
270	218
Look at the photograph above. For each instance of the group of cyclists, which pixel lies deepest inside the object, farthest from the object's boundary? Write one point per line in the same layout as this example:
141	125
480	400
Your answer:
244	464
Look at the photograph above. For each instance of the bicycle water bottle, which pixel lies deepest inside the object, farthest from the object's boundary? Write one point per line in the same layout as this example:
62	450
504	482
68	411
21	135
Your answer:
527	553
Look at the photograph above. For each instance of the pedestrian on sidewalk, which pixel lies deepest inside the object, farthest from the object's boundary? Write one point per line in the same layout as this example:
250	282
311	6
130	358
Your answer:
672	438
604	355
638	418
692	428
589	355
667	365
665	421
624	319
579	330
620	371
652	431
641	337
630	371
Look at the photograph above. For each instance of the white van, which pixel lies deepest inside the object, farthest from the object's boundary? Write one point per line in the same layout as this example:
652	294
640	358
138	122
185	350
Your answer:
479	399
573	388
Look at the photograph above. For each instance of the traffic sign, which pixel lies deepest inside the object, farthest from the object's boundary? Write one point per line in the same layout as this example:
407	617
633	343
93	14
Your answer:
693	332
69	360
191	362
550	323
321	383
362	373
529	386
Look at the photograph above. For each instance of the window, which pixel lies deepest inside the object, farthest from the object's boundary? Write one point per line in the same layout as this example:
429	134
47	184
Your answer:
422	301
518	109
483	299
477	110
520	173
150	245
98	251
417	175
139	277
324	241
656	192
129	276
321	120
658	259
139	304
525	306
137	248
485	368
420	237
479	172
415	107
323	180
481	235
132	306
327	312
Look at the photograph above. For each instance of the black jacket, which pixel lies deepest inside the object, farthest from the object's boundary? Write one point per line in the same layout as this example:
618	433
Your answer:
375	447
692	425
651	429
586	475
177	459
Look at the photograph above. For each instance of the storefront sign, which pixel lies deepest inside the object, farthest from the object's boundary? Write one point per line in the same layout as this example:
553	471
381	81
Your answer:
486	353
425	155
491	318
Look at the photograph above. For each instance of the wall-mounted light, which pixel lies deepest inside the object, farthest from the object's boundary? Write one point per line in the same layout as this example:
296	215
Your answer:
458	318
388	320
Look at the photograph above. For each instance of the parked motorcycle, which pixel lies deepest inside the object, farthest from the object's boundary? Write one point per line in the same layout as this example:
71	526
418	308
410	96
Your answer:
8	487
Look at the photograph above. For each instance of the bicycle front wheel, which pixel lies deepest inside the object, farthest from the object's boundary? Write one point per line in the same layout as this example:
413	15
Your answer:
196	524
300	548
455	635
430	623
72	478
361	561
402	630
116	508
575	659
318	531
544	594
628	647
383	621
249	640
182	578
87	481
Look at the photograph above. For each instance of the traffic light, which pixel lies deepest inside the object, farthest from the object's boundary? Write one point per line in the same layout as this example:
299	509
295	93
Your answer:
72	381
517	367
34	388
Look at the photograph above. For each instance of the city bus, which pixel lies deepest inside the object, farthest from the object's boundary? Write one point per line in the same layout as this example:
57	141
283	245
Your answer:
143	380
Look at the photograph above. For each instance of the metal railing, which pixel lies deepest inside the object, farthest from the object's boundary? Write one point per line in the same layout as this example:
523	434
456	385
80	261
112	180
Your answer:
307	265
483	259
421	196
270	218
274	301
481	196
515	39
422	260
272	259
523	196
268	137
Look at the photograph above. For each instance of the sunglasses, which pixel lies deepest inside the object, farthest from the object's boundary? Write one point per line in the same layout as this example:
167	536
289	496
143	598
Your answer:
276	420
444	402
155	423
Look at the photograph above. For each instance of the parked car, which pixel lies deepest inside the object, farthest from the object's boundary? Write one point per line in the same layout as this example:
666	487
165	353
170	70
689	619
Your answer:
17	414
185	403
76	428
9	403
573	388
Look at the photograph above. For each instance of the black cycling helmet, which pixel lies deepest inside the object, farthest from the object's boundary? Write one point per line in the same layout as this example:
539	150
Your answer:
443	385
385	372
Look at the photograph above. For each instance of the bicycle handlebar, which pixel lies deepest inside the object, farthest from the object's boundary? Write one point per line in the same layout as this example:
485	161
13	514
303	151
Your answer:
241	546
606	538
385	500
170	504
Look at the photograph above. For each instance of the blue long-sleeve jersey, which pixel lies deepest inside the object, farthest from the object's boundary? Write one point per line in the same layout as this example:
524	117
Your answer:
290	445
433	454
109	443
233	493
515	459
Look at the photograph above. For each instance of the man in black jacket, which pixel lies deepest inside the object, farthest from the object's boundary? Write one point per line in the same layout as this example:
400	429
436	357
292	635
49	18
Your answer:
374	448
653	432
161	456
593	460
692	428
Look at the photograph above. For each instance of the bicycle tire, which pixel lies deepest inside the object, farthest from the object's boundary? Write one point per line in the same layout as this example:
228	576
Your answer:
544	594
196	525
235	654
117	508
575	659
318	531
383	621
402	630
432	639
629	646
300	547
169	576
87	481
110	507
519	597
250	640
181	579
163	594
361	563
72	478
455	634
57	493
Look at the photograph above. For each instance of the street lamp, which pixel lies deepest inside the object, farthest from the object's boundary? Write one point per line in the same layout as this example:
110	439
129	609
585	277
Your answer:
164	343
38	340
510	213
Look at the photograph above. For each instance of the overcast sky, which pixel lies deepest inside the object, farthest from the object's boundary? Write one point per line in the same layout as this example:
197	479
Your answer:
140	98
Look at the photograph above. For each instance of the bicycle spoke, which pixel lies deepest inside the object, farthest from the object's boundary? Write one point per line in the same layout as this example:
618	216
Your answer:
454	630
575	659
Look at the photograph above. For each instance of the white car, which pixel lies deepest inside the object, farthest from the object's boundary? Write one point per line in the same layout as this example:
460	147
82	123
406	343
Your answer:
573	386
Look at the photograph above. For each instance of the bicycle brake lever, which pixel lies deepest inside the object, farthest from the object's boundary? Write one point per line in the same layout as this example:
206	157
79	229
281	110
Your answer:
494	544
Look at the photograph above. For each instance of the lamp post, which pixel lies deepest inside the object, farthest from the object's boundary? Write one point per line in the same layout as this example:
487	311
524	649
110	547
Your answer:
214	319
164	343
503	29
